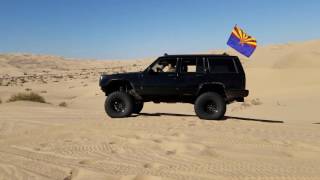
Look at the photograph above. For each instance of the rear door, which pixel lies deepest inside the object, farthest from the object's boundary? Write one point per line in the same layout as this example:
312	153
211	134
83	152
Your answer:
192	73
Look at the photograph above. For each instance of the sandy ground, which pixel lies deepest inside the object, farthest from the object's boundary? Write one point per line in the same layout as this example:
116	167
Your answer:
273	135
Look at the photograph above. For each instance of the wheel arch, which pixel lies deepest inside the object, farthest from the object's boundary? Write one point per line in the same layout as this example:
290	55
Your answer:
212	87
117	85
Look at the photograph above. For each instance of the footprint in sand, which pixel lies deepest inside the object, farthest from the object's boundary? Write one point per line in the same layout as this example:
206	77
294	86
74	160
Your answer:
68	141
157	140
171	152
174	147
152	165
178	135
208	152
86	162
37	149
43	145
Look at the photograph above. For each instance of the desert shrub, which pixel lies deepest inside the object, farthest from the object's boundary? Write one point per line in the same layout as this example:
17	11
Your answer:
63	104
34	97
0	101
256	101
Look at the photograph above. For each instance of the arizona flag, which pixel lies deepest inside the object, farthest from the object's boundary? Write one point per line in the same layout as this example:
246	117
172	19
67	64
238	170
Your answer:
242	42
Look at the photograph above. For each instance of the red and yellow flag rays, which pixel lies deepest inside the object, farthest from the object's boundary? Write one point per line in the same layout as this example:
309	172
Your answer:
244	38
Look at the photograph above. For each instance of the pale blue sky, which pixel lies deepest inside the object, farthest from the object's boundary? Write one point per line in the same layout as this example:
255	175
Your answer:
122	29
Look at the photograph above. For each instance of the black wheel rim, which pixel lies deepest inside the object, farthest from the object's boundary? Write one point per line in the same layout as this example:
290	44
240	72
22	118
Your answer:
118	105
210	107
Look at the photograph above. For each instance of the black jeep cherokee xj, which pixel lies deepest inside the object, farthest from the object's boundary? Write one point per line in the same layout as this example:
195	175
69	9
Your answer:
207	81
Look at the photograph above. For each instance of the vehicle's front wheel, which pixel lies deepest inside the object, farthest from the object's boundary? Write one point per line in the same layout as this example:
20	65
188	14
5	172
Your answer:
119	105
210	106
138	107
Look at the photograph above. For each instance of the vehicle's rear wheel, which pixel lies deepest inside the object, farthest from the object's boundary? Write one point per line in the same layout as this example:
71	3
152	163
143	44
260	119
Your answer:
210	106
138	107
119	105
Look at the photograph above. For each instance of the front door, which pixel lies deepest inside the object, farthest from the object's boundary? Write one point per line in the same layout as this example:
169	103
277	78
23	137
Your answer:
160	82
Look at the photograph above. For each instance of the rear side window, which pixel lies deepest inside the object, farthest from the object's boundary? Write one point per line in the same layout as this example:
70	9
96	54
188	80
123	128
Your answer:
222	65
192	65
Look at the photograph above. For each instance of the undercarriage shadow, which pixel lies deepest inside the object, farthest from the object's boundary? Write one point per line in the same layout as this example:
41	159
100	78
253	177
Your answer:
166	114
224	118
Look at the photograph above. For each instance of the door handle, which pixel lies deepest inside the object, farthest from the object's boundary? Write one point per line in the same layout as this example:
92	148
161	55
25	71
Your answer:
199	75
172	75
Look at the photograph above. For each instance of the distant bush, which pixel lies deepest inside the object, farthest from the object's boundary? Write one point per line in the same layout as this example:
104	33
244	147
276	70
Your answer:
27	97
256	101
0	101
63	104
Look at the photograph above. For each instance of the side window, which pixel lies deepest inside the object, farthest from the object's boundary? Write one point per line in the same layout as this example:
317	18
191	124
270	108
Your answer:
192	65
165	65
222	65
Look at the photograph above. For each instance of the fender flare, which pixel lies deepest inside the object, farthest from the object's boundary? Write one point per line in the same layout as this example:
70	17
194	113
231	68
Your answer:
132	90
119	80
201	86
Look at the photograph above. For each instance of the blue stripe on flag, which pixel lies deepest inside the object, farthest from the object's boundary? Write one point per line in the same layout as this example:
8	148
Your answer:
244	49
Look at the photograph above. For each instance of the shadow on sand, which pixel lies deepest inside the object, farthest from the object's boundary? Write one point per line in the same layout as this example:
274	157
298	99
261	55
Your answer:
253	119
225	118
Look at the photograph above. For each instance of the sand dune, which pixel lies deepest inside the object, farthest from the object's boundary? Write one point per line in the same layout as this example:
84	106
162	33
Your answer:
273	135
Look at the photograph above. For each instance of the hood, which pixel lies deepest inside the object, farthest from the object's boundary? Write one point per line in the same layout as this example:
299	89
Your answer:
105	78
122	75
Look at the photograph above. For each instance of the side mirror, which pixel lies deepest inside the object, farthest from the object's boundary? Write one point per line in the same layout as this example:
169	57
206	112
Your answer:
150	71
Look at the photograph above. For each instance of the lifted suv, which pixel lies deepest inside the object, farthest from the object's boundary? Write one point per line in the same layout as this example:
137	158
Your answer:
207	81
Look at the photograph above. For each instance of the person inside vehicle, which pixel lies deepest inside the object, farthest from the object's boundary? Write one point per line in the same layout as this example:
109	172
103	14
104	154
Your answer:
171	68
157	68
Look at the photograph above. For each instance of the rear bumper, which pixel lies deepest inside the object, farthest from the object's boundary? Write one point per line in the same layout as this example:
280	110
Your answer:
236	95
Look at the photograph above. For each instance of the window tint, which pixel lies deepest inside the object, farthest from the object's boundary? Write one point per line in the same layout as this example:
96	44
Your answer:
222	65
192	65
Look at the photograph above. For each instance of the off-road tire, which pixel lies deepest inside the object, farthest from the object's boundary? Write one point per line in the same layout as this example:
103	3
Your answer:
119	105
210	106
138	106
